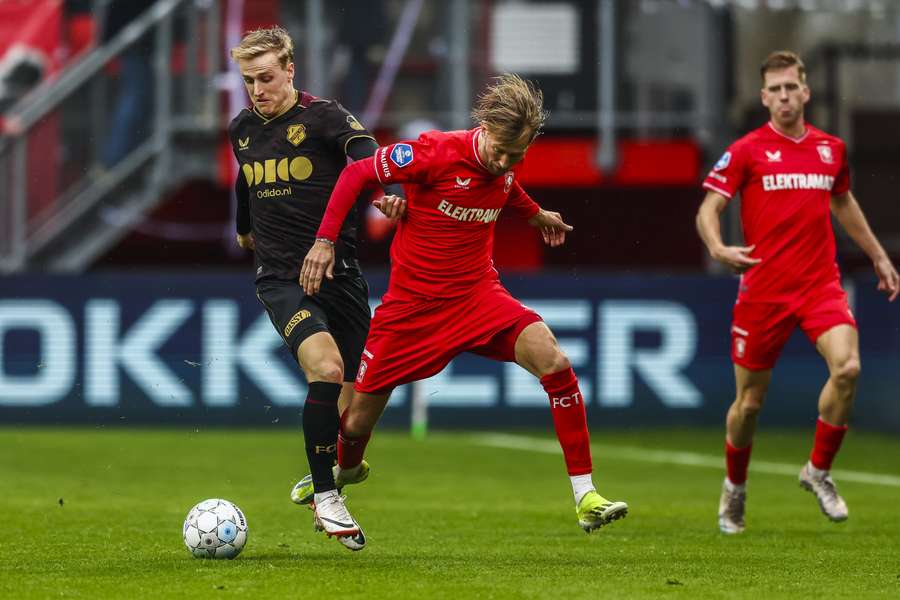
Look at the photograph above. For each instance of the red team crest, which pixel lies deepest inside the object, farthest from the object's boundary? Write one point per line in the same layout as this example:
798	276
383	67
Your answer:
507	182
825	154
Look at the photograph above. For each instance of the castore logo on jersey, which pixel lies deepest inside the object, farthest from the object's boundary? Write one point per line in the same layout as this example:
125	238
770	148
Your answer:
463	183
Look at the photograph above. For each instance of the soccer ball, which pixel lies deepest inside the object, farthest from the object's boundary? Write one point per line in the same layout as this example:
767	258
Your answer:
215	529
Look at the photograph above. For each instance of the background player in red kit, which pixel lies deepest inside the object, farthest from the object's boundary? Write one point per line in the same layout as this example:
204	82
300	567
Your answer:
789	175
445	296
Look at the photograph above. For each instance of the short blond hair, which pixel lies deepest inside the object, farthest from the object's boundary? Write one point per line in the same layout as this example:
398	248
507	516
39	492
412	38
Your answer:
509	107
259	41
780	60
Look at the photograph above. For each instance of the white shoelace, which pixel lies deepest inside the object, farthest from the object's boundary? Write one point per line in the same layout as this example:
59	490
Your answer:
335	509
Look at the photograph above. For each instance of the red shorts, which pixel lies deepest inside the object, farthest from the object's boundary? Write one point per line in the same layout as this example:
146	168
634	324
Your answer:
415	339
760	330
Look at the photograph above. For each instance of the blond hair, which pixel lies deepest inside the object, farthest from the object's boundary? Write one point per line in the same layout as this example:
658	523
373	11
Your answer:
259	41
510	107
780	60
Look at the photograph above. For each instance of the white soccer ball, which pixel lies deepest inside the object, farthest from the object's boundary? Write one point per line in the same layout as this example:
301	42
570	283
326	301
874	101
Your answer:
215	528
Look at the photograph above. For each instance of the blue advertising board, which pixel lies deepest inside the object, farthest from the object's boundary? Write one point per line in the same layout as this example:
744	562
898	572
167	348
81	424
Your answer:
177	348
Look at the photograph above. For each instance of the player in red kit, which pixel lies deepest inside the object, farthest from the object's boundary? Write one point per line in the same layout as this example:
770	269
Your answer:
792	177
444	295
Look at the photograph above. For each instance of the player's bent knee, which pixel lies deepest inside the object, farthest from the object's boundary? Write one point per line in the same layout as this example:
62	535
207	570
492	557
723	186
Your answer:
848	371
750	403
545	361
327	370
750	409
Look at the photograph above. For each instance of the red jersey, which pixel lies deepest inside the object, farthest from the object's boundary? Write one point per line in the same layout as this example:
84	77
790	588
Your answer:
786	185
443	246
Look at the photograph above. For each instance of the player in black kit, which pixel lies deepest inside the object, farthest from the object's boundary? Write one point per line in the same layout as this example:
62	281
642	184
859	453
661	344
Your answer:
291	147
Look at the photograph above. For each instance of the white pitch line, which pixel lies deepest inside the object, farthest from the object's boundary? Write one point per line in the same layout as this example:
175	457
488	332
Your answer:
691	459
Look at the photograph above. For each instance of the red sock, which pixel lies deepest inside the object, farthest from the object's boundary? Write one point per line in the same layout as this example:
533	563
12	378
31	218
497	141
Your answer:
350	450
569	419
827	443
736	461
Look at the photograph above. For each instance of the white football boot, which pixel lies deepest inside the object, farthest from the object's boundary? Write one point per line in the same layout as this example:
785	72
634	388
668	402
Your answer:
333	518
731	508
354	542
831	503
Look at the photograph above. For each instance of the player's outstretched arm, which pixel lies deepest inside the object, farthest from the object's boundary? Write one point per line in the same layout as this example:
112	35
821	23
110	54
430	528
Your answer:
553	228
736	258
393	203
848	212
319	261
353	179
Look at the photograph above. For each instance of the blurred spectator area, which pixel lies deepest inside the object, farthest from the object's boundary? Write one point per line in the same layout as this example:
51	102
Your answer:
114	90
657	166
31	51
644	95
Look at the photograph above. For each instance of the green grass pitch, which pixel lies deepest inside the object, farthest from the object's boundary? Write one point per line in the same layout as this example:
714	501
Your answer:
97	513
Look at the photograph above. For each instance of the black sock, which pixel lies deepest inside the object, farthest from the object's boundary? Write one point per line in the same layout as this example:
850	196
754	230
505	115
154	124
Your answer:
320	430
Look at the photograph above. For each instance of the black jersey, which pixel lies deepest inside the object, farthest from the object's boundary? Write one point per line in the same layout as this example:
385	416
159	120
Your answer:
290	164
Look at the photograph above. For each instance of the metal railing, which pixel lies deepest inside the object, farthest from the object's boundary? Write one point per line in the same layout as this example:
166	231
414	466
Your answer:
62	181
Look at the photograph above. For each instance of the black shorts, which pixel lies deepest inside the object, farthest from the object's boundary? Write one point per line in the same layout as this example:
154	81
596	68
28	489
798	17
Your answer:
341	308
